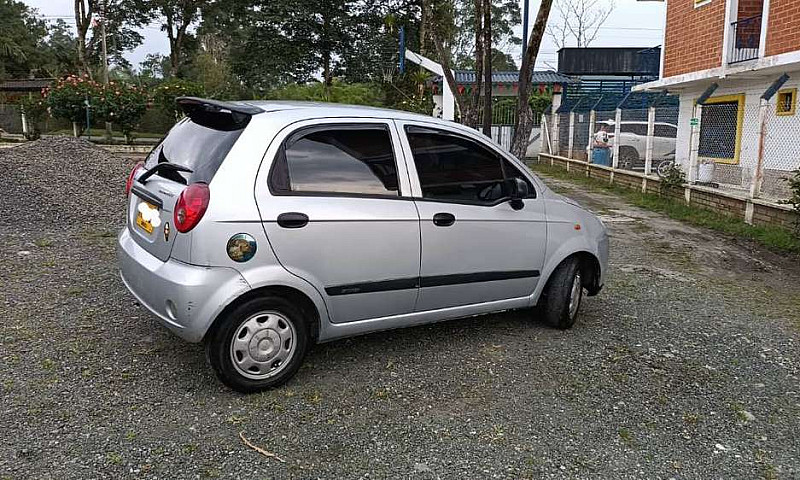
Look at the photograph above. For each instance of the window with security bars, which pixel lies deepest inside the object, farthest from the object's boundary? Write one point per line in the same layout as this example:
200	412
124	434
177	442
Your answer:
787	102
719	127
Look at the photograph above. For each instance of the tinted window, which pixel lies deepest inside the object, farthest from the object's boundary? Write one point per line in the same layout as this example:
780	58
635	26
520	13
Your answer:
451	167
665	131
354	160
195	146
634	128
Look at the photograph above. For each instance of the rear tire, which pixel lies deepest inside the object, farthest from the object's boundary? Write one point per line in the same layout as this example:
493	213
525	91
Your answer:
259	345
561	298
628	158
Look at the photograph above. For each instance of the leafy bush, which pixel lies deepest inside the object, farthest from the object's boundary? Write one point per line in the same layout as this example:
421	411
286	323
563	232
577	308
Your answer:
35	110
794	200
408	92
348	93
165	94
672	176
67	98
123	105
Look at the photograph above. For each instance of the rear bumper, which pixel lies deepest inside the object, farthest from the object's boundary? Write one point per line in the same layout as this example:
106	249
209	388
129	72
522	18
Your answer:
186	298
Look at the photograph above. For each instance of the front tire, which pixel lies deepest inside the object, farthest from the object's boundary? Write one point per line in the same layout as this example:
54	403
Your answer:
259	345
563	294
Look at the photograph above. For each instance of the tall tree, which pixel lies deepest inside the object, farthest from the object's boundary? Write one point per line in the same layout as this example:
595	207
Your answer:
22	38
62	56
524	118
438	26
84	9
121	18
176	16
505	16
487	68
472	118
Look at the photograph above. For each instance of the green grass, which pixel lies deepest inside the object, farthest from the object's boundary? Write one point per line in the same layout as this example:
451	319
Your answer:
772	237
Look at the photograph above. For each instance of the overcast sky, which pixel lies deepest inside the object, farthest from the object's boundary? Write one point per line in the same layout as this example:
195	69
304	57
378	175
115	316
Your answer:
633	23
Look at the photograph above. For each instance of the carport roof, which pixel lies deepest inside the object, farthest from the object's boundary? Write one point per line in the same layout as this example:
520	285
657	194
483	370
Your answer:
25	85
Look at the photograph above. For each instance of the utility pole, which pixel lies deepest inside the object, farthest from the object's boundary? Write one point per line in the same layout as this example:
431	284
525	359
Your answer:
105	57
525	8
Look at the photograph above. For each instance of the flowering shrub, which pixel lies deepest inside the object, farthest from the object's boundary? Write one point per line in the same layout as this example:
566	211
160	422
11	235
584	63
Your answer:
67	98
166	93
122	105
116	102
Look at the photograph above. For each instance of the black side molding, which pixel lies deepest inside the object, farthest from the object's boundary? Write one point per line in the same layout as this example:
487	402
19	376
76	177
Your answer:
459	278
431	281
371	287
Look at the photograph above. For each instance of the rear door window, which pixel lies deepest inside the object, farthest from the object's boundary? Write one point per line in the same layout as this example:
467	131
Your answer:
337	160
198	147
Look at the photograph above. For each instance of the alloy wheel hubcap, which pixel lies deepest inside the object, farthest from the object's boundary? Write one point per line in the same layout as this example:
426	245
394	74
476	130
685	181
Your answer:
263	345
575	295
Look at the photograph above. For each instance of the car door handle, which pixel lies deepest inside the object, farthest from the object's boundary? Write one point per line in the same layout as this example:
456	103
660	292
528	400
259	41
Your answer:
444	219
292	220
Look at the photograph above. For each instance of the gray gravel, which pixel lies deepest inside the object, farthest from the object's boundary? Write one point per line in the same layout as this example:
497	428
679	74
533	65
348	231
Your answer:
686	366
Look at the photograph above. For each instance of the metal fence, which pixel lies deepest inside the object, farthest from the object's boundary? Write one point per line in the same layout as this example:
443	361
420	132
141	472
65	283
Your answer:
504	115
742	145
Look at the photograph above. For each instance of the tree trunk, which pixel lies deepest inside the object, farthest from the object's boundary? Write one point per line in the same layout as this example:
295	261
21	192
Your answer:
487	68
423	29
83	18
471	118
444	60
524	121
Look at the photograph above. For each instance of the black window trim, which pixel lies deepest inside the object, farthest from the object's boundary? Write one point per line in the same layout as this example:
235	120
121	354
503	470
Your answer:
441	131
280	157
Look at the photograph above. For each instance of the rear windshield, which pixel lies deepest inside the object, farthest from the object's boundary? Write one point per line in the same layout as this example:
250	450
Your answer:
195	146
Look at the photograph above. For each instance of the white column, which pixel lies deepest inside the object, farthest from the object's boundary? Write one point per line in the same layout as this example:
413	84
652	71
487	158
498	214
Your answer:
758	174
762	46
448	101
731	11
651	127
694	144
617	122
571	133
592	121
556	146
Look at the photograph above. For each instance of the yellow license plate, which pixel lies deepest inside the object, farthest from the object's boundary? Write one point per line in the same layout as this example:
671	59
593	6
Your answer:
144	224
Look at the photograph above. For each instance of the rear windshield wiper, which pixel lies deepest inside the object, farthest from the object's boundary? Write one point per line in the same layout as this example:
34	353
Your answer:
171	170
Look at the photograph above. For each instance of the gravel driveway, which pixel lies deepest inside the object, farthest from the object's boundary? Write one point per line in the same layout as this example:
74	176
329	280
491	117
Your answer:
686	365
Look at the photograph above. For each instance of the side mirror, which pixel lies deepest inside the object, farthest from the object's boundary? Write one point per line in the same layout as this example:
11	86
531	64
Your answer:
518	189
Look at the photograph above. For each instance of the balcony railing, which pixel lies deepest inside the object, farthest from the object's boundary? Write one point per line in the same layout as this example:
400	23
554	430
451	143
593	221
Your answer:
746	39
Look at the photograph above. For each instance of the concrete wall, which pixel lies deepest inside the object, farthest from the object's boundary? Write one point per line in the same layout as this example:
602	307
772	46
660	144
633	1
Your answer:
755	212
781	145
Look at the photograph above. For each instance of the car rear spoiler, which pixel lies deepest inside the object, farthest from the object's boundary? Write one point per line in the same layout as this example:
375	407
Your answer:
217	114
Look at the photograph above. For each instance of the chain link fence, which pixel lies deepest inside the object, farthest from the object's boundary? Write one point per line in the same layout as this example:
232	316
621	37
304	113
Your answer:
743	144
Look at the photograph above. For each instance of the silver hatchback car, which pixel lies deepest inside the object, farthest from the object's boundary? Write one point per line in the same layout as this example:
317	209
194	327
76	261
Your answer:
260	228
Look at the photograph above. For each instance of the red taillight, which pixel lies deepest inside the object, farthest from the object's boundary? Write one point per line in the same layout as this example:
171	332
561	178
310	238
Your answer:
191	206
132	175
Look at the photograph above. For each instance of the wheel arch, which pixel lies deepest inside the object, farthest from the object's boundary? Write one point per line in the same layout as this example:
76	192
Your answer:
590	271
294	295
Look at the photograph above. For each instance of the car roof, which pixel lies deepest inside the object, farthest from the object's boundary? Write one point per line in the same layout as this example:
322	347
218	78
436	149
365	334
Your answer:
323	109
